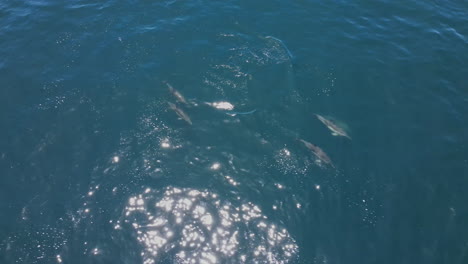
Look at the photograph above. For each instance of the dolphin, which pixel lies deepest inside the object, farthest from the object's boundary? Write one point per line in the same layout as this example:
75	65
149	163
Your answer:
282	44
232	113
318	152
230	107
334	128
176	93
180	113
221	105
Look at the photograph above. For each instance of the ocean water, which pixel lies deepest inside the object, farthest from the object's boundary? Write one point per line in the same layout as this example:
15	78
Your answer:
101	162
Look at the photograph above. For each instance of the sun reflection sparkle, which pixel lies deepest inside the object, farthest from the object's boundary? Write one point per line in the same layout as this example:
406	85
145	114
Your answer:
195	226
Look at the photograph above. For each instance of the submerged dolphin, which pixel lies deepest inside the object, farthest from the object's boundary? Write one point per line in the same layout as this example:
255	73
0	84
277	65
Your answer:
232	113
335	129
318	152
180	113
282	44
176	93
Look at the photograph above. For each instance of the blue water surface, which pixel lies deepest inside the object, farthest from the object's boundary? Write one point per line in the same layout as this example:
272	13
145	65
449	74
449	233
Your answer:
101	162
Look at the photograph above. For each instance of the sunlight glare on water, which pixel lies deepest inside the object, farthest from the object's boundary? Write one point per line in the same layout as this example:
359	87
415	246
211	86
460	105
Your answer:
197	226
233	132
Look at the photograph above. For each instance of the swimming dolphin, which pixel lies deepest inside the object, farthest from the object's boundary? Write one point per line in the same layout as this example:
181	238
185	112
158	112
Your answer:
176	93
318	152
230	107
221	105
232	113
335	129
180	113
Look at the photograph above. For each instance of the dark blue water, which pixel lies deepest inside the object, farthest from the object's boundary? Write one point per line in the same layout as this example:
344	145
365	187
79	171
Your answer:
97	167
